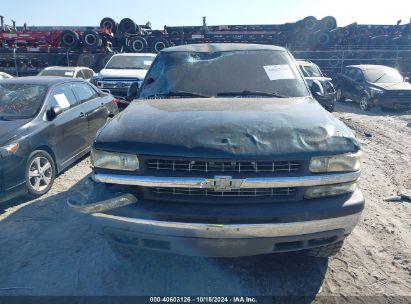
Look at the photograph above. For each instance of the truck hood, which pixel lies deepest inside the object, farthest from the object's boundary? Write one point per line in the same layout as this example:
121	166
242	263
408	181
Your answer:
401	86
227	128
10	129
116	73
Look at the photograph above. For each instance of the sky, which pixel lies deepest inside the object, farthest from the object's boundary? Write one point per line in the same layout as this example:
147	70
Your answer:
190	12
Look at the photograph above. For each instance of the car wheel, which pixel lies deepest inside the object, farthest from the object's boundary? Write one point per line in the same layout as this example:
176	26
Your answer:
339	95
364	103
40	173
325	251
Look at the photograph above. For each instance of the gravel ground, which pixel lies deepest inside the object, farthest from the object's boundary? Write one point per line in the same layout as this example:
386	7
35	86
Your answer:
46	249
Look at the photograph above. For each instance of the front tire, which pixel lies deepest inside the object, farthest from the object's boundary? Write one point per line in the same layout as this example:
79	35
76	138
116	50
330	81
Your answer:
339	95
40	173
325	251
364	105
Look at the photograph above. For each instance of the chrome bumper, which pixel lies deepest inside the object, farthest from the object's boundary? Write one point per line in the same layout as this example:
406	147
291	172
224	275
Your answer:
231	231
194	182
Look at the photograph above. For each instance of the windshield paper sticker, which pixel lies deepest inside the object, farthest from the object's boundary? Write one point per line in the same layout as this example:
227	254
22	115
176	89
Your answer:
69	73
280	71
147	62
62	101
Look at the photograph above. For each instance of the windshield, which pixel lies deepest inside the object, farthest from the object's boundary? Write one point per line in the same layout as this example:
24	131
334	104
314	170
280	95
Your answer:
265	73
20	100
57	73
310	71
130	62
386	75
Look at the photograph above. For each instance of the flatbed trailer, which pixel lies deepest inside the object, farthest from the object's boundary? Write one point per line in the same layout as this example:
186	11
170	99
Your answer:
27	50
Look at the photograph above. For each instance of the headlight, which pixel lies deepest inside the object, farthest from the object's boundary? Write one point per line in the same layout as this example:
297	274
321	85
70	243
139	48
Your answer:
337	163
329	190
375	91
114	161
9	149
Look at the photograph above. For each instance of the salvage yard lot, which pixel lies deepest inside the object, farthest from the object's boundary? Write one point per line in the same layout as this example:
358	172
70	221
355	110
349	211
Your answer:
46	249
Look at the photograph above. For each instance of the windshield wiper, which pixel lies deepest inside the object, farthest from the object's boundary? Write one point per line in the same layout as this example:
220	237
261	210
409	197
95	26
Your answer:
178	94
5	118
251	93
376	80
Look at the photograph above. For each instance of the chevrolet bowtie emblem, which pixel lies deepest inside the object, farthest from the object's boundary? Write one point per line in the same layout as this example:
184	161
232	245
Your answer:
222	183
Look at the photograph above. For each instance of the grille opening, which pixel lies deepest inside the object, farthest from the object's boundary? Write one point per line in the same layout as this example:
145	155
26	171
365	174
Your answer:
252	192
224	166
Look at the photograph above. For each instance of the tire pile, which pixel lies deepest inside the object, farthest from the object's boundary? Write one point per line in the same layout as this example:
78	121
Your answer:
124	36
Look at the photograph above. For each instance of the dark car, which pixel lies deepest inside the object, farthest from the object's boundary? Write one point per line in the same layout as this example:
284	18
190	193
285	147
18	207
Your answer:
46	124
226	153
374	85
315	77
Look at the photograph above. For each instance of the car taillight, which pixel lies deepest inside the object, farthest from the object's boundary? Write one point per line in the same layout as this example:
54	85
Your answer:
116	101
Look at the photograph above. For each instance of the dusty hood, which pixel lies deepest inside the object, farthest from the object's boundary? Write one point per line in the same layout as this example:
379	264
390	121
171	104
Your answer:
406	86
226	127
140	74
9	129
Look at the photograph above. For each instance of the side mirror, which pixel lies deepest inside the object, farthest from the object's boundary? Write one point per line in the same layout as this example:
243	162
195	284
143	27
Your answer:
53	112
105	91
406	79
133	91
316	89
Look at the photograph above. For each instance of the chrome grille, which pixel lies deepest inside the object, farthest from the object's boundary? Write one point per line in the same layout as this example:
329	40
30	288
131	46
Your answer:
224	166
266	192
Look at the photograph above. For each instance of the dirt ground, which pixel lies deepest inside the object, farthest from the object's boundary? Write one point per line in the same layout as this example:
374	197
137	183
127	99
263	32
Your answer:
46	249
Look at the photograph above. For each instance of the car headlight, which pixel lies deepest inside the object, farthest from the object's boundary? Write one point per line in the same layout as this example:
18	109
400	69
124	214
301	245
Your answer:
376	92
9	149
114	161
336	163
329	190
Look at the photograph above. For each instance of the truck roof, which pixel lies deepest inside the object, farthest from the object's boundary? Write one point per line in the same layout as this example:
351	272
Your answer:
222	47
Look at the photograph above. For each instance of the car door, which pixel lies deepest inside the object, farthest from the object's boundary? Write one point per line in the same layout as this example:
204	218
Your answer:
358	85
93	105
349	81
70	128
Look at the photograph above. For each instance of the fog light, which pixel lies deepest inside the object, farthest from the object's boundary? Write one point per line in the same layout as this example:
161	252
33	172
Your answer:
329	190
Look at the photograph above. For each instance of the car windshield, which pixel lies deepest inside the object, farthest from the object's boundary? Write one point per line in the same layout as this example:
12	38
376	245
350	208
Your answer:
386	75
267	73
57	73
130	62
310	71
20	100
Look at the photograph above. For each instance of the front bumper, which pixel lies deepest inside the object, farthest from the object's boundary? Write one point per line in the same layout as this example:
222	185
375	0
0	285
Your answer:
191	231
392	103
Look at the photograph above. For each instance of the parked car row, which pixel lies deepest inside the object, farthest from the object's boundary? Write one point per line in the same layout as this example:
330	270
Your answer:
368	85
